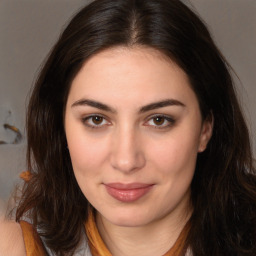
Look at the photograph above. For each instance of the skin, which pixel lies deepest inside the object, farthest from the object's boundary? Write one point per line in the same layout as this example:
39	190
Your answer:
11	239
127	143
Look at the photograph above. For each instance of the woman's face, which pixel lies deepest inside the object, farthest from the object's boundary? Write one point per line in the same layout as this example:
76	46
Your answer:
134	130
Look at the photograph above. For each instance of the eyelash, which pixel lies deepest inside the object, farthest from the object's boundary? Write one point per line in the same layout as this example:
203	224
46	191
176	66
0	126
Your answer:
93	126
170	121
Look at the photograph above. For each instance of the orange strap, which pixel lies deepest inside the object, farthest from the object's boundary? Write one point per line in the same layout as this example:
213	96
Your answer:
98	248
96	244
33	243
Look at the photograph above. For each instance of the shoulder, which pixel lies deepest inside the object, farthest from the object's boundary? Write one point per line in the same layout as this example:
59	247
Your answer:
11	239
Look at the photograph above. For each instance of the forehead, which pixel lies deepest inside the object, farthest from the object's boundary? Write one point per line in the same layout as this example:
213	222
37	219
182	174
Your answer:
130	73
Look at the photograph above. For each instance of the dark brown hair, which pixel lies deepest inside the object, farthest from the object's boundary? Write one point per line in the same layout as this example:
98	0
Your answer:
224	185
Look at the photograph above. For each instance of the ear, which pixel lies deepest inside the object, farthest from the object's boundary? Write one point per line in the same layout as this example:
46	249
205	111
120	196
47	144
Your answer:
206	133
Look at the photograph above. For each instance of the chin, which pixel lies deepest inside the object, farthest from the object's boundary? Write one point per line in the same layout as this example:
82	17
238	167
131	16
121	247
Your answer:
129	222
128	218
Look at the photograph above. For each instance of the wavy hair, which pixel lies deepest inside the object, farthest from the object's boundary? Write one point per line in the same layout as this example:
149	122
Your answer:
224	184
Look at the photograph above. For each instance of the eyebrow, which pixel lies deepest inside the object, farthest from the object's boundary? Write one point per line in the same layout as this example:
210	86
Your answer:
94	104
146	108
161	104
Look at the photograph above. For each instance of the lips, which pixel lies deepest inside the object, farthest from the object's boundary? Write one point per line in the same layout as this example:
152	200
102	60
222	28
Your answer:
127	192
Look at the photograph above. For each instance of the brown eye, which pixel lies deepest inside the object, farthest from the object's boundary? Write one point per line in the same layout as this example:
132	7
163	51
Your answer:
159	120
97	120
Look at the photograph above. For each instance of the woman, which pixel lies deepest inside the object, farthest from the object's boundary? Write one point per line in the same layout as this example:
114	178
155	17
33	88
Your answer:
136	141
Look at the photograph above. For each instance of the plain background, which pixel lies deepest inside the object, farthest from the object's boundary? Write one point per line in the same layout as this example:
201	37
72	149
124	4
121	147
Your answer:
29	28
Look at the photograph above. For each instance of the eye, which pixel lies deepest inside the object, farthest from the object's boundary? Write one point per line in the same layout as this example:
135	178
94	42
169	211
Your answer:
160	121
95	121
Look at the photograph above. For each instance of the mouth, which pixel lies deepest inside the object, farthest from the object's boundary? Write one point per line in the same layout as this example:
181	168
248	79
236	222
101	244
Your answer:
128	192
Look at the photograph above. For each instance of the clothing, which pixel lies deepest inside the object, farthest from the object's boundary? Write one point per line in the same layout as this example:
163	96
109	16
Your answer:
98	247
36	246
92	244
33	243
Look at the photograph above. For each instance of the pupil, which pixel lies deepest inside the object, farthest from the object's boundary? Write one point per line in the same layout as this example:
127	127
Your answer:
97	119
158	120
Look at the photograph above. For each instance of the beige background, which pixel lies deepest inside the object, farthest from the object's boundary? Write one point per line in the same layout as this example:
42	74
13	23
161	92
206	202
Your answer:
28	29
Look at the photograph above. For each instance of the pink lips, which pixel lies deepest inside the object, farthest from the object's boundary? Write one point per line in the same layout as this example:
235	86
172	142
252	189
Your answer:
127	192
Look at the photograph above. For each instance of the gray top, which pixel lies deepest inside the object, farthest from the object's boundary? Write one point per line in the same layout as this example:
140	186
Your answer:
83	248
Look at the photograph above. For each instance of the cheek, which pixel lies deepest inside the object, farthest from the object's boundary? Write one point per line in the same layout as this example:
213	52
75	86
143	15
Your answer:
86	157
175	153
85	154
175	162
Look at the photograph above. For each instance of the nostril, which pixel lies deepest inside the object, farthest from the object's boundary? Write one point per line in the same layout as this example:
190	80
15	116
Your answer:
127	163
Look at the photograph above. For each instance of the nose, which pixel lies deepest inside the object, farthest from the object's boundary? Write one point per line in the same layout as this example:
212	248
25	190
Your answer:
127	152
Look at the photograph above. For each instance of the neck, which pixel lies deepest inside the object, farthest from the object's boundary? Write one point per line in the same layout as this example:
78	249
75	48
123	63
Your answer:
155	238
